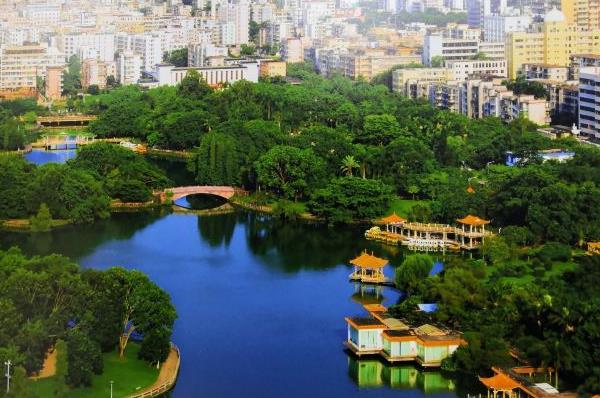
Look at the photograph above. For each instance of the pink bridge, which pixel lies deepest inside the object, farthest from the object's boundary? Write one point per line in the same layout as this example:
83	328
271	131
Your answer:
222	191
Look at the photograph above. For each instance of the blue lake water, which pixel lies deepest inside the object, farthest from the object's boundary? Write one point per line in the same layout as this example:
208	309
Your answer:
261	302
41	157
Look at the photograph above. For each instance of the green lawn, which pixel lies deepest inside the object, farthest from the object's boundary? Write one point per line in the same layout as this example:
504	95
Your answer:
402	206
129	375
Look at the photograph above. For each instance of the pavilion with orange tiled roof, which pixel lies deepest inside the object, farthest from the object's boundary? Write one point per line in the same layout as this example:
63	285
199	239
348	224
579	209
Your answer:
499	383
475	232
368	268
392	220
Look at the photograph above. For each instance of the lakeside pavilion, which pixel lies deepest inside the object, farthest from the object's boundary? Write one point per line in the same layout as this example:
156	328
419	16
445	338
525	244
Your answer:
475	232
393	222
499	386
368	268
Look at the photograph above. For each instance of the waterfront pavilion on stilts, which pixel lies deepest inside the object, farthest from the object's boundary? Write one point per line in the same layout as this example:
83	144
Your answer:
393	222
474	235
368	268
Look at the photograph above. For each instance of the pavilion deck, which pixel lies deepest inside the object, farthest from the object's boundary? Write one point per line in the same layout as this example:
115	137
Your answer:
430	236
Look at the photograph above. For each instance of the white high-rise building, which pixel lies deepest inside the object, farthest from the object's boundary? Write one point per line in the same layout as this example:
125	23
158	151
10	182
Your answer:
149	46
103	43
237	14
477	10
589	100
495	27
129	67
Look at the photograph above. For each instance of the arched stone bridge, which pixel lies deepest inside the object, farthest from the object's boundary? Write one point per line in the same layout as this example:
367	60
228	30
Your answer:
222	191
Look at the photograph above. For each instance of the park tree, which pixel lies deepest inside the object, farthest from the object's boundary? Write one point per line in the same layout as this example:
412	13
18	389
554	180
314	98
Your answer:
84	359
193	86
216	161
61	389
413	270
181	130
378	130
350	198
289	171
177	57
42	221
349	164
72	76
144	308
14	175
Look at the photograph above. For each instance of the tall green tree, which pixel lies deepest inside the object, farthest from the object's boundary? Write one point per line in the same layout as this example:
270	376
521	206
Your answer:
216	161
72	76
289	171
413	270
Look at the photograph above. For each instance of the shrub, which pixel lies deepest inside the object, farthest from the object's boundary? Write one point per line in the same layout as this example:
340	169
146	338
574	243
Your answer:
287	209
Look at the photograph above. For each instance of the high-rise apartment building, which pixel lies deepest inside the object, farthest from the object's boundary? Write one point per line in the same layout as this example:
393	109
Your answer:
589	100
584	13
129	67
495	27
553	43
54	83
293	50
20	66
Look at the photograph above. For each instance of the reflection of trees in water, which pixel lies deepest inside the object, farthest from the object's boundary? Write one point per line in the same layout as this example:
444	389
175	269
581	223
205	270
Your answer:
375	373
295	245
217	230
78	241
202	201
292	246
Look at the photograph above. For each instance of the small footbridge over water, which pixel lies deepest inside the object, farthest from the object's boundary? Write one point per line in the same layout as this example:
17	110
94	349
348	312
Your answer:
224	192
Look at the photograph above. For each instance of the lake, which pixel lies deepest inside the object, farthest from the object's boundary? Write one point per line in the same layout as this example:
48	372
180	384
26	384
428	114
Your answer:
261	302
40	156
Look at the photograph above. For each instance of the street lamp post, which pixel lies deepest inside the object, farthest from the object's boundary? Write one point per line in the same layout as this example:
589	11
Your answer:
8	363
111	389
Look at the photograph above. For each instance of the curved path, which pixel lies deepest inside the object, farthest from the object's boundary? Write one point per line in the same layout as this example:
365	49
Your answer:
166	377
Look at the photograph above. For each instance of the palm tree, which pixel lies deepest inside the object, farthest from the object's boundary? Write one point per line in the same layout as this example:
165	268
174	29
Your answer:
349	164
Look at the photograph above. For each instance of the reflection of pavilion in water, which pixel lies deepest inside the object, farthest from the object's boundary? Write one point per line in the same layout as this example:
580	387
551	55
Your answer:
374	373
368	294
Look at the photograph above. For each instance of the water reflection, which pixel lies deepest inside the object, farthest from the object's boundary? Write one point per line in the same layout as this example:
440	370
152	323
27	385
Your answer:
77	241
368	294
217	230
200	202
369	373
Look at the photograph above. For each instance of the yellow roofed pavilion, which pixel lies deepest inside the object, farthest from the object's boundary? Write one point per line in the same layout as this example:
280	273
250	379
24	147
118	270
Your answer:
368	268
393	219
472	220
366	260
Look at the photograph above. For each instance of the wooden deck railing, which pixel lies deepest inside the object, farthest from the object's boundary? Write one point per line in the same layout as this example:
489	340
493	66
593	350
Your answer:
165	386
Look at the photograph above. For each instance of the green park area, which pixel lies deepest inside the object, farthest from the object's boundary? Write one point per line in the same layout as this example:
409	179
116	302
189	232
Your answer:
129	375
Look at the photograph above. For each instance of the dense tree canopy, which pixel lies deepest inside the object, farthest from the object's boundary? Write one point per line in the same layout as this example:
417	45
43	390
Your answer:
43	299
79	190
420	151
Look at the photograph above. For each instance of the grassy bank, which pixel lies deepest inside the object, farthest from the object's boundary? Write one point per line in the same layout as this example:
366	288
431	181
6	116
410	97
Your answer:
402	207
25	225
129	376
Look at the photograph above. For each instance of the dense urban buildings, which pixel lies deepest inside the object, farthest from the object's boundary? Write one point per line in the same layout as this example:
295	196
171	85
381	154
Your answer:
460	66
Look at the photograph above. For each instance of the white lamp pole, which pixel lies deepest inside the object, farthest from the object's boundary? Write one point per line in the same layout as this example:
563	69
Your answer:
111	389
8	363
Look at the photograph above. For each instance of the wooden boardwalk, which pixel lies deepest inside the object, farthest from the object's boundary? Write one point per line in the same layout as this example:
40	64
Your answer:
166	377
